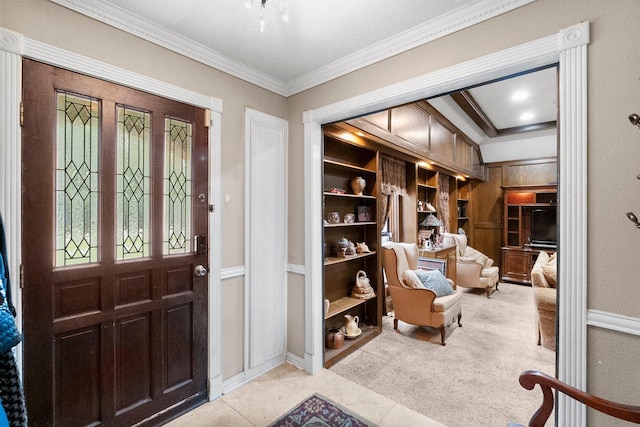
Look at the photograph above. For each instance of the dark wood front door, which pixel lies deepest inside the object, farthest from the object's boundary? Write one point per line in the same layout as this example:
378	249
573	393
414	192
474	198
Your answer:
114	232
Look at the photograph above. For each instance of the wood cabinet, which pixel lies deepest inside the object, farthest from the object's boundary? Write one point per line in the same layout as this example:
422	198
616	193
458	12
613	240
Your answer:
529	227
518	262
463	205
427	197
353	217
428	182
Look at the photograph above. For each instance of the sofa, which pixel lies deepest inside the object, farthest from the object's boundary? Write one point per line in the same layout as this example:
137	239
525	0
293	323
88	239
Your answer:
543	282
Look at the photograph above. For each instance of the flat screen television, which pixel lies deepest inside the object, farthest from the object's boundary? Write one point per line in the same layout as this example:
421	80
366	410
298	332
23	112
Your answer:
543	227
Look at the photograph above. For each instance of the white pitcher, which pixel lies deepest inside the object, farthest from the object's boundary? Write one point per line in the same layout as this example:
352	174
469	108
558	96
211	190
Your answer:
351	327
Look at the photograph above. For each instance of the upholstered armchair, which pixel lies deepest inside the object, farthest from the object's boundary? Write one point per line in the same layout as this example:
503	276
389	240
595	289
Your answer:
473	268
416	305
543	282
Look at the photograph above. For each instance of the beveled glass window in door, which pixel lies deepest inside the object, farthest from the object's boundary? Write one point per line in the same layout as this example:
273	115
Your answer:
76	180
133	183
177	187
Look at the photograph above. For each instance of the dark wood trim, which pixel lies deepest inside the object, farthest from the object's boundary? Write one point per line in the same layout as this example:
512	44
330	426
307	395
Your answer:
539	160
528	128
470	106
465	100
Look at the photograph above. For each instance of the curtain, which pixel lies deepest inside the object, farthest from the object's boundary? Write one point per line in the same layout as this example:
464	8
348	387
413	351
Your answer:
394	181
443	201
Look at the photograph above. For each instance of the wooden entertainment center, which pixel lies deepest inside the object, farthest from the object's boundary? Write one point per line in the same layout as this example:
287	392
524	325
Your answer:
529	227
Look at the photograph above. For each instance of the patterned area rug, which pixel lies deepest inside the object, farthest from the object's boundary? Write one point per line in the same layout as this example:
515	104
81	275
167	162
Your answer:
318	411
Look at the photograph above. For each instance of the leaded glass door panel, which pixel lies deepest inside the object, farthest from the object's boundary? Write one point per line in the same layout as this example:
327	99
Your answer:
115	232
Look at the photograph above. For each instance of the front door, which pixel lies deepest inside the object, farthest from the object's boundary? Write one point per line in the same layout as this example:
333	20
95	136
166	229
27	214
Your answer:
114	252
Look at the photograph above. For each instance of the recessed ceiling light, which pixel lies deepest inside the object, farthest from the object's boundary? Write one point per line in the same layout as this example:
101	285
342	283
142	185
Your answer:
520	95
527	116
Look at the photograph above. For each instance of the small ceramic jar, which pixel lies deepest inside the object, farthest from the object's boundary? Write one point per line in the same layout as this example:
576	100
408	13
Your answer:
333	217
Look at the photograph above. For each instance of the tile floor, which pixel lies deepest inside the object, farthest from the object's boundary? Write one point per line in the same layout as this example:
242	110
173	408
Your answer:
271	395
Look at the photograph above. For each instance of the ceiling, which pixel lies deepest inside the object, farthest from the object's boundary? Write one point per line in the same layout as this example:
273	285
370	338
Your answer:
504	109
323	40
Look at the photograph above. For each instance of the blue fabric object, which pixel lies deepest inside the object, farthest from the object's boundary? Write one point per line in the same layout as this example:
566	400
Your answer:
4	422
9	334
4	267
435	280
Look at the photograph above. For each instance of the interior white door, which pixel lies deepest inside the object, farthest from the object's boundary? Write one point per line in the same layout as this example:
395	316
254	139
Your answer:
265	240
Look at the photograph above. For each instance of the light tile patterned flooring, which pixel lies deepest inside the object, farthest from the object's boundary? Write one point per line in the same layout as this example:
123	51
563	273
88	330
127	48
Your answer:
268	397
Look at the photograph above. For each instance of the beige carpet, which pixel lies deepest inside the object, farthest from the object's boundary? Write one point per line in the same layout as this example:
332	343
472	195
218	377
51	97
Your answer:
473	380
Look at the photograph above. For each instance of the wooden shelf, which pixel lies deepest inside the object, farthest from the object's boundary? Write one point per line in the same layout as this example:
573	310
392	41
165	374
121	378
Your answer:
342	162
331	356
430	187
342	305
349	224
348	166
352	196
336	260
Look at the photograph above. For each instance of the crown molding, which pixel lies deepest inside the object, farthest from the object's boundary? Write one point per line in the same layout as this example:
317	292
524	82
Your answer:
416	36
412	38
125	21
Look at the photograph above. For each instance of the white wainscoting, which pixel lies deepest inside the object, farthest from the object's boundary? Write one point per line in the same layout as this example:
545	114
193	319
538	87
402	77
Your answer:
266	140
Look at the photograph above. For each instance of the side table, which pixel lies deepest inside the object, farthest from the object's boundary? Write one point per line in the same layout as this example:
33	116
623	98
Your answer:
445	252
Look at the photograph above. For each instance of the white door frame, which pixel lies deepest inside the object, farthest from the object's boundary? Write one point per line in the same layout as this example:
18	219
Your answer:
13	47
568	49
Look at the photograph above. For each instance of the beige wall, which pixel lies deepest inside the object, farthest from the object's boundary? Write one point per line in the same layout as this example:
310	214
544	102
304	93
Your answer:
613	151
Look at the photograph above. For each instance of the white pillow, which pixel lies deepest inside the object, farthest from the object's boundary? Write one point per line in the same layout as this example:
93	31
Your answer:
411	280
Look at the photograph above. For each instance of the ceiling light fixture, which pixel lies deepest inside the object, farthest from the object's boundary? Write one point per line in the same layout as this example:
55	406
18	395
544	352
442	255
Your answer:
527	116
284	14
520	95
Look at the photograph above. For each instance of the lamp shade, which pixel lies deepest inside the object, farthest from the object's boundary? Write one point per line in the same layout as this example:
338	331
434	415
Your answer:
431	221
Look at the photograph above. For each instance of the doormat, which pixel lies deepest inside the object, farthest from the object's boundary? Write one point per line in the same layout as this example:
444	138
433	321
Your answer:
318	411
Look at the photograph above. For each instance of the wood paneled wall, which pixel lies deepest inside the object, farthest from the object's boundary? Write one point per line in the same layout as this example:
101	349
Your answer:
487	207
486	211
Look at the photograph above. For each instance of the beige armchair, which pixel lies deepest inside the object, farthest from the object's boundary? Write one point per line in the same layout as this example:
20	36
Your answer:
543	282
473	268
414	305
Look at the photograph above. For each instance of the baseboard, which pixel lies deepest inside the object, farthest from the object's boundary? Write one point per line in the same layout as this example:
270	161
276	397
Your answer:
296	361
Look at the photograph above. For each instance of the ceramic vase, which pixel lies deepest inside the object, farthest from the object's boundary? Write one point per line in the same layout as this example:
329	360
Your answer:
358	184
334	338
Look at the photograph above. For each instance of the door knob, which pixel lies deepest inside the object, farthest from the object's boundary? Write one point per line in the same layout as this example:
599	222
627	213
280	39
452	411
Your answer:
200	271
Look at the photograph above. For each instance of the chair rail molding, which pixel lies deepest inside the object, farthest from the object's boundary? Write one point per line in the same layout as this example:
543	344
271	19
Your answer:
568	49
296	269
614	322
